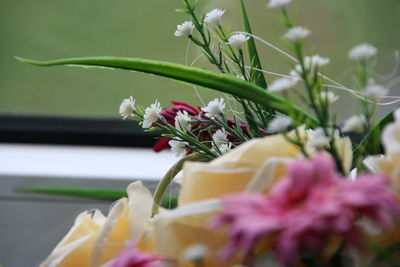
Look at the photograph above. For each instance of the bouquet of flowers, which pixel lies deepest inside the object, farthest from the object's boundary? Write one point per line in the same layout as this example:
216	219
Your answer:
269	176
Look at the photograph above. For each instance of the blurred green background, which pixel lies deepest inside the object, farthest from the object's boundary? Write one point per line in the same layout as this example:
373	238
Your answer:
49	29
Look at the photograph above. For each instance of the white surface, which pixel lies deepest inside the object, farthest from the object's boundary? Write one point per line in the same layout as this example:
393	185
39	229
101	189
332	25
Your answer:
83	162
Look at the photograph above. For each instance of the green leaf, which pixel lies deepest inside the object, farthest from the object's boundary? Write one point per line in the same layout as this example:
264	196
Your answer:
372	140
194	76
99	194
252	49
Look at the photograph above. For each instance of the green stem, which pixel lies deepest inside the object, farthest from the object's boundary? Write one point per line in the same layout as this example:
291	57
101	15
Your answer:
169	176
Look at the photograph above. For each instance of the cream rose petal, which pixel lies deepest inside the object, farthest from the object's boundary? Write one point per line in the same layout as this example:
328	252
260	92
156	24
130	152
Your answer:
202	181
95	240
254	152
77	241
268	174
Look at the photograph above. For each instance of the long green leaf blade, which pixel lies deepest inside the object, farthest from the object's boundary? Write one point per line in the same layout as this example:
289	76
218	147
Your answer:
194	76
98	194
252	49
101	194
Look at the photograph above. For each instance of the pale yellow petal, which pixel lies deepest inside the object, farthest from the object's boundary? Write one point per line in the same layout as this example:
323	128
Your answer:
345	151
204	181
269	173
254	152
78	242
140	204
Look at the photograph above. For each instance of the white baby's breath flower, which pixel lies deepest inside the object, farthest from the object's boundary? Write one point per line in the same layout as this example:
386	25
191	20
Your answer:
354	124
282	84
214	17
362	52
278	3
318	139
310	64
319	61
280	124
185	29
195	253
151	114
220	137
237	40
224	148
178	148
329	97
240	76
182	121
296	34
374	92
127	108
214	108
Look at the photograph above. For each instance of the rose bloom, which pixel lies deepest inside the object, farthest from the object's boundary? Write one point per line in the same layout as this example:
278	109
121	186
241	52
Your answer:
306	208
95	240
254	166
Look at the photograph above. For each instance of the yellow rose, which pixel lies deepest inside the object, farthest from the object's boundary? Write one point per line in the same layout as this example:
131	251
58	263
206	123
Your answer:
251	167
234	171
95	240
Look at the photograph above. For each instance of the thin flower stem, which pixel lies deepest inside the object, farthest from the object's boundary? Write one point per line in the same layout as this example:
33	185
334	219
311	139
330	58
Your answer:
169	176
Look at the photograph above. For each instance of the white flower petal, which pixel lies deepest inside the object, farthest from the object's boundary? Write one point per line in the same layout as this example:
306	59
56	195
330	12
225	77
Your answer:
178	148
238	40
151	114
296	34
214	17
278	3
182	121
329	97
362	52
280	124
354	124
220	137
282	84
214	108
127	108
185	29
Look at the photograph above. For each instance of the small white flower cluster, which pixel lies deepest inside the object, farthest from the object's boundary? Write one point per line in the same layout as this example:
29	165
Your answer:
151	114
374	92
127	108
329	97
214	108
238	40
311	64
220	141
278	3
185	29
297	34
214	17
362	52
182	121
178	148
282	84
280	124
355	124
318	139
